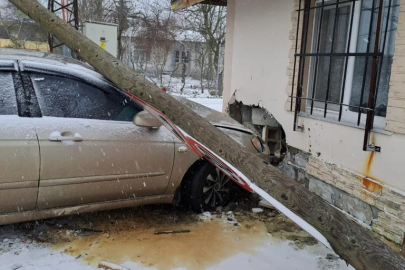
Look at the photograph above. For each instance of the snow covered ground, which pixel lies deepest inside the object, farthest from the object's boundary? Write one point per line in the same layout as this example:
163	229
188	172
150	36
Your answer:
192	87
213	103
192	91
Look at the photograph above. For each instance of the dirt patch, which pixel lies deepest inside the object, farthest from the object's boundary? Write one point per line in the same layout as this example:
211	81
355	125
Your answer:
208	243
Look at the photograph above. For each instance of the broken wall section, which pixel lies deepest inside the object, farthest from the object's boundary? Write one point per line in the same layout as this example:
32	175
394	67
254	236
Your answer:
264	125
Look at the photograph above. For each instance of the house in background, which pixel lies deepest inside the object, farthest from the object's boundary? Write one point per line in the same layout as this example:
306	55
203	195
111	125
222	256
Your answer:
167	55
324	82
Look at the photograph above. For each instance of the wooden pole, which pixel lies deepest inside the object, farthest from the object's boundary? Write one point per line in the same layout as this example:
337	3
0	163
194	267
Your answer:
180	4
355	244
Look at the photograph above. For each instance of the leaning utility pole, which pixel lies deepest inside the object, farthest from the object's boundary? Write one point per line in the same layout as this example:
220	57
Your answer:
355	244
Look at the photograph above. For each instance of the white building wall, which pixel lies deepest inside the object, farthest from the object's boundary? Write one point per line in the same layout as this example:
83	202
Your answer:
258	70
257	59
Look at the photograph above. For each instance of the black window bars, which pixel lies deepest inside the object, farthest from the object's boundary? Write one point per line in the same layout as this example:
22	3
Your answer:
328	56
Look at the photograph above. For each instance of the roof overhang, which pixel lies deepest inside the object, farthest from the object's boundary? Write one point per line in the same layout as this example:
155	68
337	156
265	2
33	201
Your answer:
180	4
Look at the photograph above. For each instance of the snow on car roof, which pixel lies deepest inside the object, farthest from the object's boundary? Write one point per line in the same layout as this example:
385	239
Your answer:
52	63
20	54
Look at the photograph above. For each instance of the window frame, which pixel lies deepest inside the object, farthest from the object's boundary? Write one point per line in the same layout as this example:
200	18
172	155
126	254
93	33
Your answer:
310	83
185	56
26	100
113	91
366	113
348	117
13	76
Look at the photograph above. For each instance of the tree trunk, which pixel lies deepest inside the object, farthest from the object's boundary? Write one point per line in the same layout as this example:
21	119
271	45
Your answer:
99	10
355	244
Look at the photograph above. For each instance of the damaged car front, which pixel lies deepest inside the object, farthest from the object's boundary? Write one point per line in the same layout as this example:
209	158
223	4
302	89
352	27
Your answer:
244	136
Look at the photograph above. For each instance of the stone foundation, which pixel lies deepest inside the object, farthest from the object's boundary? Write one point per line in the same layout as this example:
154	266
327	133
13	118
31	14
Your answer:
379	207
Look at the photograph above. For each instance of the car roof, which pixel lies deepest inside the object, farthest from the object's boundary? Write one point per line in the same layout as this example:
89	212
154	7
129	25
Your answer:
36	61
38	56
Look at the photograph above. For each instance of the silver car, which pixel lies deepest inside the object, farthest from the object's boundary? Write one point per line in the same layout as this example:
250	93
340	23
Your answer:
72	142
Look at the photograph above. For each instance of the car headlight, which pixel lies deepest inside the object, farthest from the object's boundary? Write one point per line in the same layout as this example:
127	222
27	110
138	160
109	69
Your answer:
257	143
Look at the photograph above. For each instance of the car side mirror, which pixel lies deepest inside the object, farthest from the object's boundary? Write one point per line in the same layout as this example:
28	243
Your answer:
145	119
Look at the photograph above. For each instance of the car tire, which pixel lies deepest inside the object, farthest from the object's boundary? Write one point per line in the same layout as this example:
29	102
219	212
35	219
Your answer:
209	188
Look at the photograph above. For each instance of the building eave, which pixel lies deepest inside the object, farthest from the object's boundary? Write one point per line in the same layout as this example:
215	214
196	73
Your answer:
180	4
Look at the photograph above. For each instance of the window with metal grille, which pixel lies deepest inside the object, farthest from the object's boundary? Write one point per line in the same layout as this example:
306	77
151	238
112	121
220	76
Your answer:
342	66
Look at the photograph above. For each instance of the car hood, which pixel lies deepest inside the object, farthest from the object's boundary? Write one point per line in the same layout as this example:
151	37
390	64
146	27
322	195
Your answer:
214	117
231	127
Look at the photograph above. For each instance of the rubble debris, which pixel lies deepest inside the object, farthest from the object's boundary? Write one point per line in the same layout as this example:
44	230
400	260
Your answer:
16	266
266	204
301	240
332	257
41	239
111	266
229	218
173	232
257	210
90	230
205	216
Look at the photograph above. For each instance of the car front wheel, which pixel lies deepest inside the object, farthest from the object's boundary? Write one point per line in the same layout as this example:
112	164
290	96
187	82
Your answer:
210	188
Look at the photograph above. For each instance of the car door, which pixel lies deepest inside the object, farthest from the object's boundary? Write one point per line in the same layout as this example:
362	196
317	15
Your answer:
19	150
90	149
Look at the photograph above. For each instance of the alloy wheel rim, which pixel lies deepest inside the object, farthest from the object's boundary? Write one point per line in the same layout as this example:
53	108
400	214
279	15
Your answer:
216	188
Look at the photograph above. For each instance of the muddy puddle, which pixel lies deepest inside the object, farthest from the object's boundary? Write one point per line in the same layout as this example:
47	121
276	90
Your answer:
163	237
203	241
186	240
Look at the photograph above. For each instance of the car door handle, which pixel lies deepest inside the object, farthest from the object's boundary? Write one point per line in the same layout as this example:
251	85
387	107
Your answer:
68	137
182	149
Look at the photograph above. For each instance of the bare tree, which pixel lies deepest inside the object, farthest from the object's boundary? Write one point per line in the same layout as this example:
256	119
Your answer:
210	22
11	24
156	35
202	56
17	29
92	10
112	11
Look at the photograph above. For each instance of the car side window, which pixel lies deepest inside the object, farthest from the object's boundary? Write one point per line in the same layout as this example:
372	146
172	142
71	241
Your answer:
8	100
60	96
